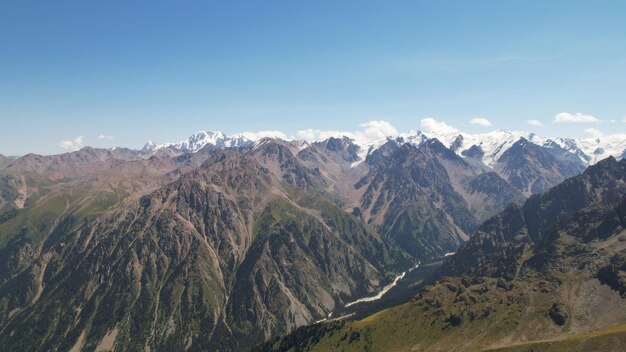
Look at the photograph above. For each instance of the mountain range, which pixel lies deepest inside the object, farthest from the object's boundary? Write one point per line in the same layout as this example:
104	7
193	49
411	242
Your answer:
549	275
488	147
221	243
500	151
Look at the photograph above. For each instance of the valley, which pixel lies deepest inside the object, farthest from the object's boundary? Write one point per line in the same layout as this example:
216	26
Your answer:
312	176
245	241
526	280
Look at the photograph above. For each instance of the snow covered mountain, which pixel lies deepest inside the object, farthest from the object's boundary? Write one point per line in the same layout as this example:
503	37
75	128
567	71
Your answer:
491	146
200	140
488	147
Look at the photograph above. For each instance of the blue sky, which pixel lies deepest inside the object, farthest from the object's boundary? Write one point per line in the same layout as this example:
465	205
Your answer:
163	70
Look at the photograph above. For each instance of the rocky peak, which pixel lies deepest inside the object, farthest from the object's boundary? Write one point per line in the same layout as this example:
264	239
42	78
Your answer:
457	143
474	152
343	146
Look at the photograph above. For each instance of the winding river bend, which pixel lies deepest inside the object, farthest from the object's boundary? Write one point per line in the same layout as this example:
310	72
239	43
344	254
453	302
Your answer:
379	295
383	291
372	298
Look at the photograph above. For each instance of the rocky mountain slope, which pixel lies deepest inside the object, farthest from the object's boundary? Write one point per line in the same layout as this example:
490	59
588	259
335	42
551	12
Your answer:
4	161
424	198
532	169
532	164
221	258
222	242
544	276
427	199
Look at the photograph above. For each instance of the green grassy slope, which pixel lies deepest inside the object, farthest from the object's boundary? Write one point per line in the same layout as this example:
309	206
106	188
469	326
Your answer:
609	339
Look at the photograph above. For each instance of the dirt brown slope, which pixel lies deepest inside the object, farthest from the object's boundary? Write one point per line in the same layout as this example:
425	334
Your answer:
221	258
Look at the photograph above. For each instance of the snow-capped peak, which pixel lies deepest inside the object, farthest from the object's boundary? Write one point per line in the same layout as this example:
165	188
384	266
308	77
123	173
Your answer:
494	144
487	146
596	148
200	140
150	146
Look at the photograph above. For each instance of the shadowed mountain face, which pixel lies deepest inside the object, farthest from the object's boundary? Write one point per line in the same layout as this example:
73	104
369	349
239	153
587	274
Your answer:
425	198
517	227
224	248
548	275
409	197
533	169
428	199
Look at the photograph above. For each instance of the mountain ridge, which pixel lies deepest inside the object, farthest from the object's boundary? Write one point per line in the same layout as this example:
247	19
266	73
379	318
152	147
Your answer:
211	246
244	242
543	276
492	144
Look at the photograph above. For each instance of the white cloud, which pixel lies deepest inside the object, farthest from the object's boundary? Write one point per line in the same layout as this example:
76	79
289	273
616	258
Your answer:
371	131
566	117
593	132
105	136
378	129
430	125
536	123
320	135
480	121
264	134
72	144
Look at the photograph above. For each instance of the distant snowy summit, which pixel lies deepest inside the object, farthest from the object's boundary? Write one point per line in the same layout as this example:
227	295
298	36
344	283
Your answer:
200	140
488	147
491	146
